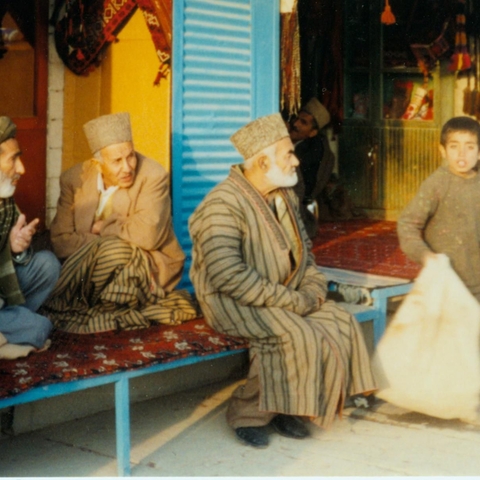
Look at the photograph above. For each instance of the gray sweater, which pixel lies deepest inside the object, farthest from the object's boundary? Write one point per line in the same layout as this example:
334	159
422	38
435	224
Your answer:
444	217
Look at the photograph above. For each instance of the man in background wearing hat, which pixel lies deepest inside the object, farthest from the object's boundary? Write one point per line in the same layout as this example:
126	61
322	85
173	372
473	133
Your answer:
255	277
26	279
113	225
316	158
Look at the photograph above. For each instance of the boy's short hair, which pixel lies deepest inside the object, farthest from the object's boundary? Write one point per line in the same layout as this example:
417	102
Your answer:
460	124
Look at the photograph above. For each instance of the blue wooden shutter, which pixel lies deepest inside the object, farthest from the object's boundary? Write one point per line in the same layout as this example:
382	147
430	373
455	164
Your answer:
225	74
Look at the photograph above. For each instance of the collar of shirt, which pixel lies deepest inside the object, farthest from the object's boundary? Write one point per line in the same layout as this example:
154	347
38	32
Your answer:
101	186
105	194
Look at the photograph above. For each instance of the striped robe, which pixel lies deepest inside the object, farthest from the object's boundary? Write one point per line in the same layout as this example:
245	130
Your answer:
108	285
309	361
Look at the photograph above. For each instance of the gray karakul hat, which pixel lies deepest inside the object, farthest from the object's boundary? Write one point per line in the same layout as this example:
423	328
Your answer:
108	130
7	129
318	111
259	134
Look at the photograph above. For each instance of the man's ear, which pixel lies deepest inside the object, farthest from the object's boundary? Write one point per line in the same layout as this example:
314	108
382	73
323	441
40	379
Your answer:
263	162
313	133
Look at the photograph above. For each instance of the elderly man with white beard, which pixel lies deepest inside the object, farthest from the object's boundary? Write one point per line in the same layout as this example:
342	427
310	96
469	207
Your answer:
256	278
26	279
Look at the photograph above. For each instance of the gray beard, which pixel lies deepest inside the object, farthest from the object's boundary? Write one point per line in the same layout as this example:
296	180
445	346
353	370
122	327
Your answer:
6	187
279	179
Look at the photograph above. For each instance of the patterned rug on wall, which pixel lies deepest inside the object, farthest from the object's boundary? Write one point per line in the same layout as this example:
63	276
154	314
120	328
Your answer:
366	245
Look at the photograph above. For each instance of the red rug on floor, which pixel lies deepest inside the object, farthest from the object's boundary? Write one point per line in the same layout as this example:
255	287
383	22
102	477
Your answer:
73	356
369	246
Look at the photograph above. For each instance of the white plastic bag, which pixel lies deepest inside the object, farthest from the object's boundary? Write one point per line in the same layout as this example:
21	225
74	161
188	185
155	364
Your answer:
428	360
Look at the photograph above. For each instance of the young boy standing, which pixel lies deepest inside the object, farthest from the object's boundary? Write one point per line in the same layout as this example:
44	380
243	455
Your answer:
444	216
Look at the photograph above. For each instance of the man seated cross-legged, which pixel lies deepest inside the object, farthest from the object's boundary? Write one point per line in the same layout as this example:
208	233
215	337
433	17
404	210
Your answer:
26	278
113	227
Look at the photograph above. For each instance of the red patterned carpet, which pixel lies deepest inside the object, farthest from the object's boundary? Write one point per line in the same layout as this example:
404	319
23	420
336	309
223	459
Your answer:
74	356
361	245
369	246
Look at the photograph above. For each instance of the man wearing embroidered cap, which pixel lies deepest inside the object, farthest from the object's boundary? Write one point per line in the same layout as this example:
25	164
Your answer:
113	226
26	279
255	277
316	158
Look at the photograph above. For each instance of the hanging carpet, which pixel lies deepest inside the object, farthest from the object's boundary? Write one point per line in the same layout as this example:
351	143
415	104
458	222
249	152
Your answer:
290	61
85	28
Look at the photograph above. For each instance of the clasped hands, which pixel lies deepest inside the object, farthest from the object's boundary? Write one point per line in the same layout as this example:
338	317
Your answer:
97	227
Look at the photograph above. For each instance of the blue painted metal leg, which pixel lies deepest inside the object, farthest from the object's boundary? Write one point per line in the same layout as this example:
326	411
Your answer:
122	419
380	300
380	323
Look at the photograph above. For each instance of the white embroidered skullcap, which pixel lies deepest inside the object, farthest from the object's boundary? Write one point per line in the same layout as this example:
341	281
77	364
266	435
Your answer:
259	134
108	130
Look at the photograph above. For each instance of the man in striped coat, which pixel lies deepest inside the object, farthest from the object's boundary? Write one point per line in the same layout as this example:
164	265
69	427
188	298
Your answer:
255	277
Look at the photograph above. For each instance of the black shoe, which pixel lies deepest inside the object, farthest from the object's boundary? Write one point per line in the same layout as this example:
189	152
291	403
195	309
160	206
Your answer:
253	436
290	426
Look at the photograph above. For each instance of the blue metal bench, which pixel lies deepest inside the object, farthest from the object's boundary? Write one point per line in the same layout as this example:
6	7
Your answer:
381	292
122	397
381	288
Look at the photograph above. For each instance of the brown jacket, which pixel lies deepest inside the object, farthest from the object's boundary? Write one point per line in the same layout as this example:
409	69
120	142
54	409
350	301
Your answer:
141	215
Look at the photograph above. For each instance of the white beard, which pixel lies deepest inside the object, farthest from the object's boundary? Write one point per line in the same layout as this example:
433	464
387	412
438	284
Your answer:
280	179
7	189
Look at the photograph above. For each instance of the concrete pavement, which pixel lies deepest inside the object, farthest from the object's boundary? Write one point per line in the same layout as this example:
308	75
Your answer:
185	434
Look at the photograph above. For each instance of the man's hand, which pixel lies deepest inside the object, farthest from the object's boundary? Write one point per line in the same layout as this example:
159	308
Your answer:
312	302
21	234
97	226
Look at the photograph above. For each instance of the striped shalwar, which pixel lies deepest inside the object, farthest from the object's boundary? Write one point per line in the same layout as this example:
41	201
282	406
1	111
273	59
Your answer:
108	285
305	359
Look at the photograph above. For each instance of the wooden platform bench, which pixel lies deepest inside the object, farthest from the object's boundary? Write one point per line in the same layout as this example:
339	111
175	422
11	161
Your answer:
79	362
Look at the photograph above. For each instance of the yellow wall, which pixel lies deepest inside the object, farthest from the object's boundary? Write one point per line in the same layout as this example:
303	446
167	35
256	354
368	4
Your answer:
123	82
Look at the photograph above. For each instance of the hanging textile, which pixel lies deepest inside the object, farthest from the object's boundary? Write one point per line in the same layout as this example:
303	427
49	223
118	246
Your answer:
460	59
158	15
85	28
427	55
433	40
290	62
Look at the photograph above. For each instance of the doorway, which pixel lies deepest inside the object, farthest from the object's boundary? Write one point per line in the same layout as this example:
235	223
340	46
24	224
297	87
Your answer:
23	94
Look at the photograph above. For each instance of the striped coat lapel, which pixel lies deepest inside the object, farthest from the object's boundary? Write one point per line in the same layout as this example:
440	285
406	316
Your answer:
269	218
